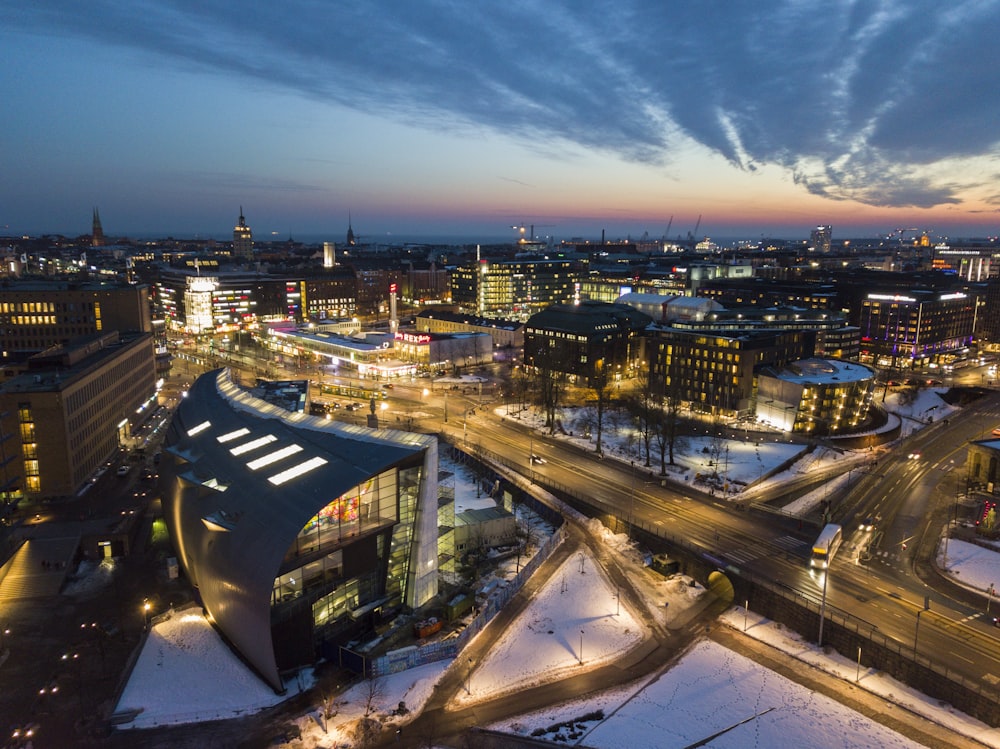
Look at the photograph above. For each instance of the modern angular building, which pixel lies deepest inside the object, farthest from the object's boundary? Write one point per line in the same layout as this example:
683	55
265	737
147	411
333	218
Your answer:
816	396
297	533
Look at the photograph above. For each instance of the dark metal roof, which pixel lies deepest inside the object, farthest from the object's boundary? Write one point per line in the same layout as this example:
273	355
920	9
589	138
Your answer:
232	523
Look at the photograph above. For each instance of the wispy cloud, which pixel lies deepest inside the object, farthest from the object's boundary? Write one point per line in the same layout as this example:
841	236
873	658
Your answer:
857	100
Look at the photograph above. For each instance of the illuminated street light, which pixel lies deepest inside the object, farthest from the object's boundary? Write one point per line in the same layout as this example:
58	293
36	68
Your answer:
146	606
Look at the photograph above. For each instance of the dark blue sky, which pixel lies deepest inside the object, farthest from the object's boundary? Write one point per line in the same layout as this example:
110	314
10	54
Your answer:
465	118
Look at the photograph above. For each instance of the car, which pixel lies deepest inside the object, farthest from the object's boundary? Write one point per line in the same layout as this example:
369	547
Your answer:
538	460
352	406
914	456
868	524
123	470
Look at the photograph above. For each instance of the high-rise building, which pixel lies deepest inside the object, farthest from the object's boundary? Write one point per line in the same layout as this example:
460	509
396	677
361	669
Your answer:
819	238
97	233
242	239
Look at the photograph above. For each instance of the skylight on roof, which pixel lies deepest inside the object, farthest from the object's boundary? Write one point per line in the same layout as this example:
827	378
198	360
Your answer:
280	478
252	444
266	460
199	428
230	436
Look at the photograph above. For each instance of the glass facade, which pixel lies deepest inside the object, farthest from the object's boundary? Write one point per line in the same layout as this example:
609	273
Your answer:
384	505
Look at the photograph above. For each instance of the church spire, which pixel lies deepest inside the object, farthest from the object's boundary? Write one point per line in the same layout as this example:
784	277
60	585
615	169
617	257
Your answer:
96	232
350	232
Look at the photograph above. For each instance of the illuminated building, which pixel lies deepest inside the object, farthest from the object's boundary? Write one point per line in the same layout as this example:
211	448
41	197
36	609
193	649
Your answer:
515	289
297	533
816	396
715	371
35	315
73	408
242	239
904	329
586	341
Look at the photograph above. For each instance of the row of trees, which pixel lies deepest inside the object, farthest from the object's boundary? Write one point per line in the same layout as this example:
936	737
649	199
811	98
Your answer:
660	415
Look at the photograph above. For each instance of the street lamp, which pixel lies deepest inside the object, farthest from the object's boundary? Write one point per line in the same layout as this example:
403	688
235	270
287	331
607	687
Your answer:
146	606
581	647
822	609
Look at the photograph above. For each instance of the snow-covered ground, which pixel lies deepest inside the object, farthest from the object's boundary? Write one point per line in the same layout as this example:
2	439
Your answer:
709	690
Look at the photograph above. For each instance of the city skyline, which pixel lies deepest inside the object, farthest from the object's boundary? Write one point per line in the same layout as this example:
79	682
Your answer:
584	118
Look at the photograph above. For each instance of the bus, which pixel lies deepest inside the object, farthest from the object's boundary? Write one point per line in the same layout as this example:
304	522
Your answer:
826	546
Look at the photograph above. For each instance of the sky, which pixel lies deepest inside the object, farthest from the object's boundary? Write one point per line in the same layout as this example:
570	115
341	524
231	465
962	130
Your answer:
707	690
454	119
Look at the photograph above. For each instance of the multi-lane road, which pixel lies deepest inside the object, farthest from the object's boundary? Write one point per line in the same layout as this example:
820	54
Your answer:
882	578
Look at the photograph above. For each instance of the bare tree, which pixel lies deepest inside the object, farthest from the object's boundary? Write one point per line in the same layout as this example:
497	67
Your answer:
600	384
666	424
551	383
368	728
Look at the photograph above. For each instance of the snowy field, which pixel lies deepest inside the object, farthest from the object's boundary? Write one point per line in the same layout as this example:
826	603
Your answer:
711	692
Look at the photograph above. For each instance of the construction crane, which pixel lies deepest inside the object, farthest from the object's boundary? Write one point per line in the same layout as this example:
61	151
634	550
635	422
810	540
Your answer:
693	235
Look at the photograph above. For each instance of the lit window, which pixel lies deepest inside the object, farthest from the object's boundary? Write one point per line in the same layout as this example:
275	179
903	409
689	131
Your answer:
230	436
266	460
252	444
200	428
301	468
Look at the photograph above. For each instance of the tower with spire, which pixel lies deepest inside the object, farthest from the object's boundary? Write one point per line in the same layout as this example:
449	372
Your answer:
242	239
351	241
96	232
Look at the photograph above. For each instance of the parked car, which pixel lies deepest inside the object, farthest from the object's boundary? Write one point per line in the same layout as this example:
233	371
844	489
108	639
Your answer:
123	470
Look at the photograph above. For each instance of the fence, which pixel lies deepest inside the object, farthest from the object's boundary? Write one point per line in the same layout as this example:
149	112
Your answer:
413	656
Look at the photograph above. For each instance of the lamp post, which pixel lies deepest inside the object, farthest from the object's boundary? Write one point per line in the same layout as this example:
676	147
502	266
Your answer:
146	606
581	647
857	676
631	507
468	678
822	609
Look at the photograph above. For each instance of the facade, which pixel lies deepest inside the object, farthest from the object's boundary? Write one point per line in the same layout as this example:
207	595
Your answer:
444	350
485	528
73	409
820	239
816	396
587	341
715	372
911	329
766	292
242	239
971	264
504	333
297	533
514	289
35	315
225	300
330	296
